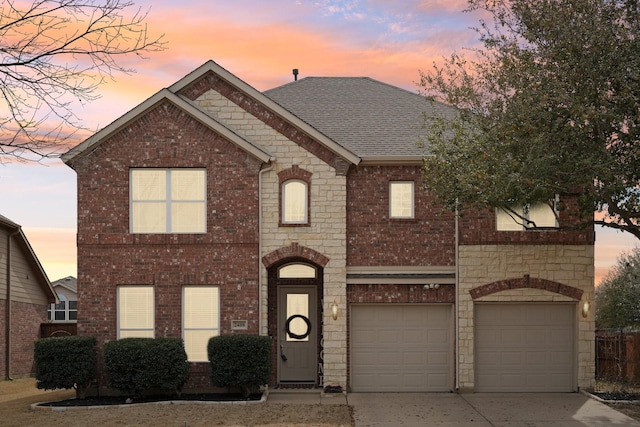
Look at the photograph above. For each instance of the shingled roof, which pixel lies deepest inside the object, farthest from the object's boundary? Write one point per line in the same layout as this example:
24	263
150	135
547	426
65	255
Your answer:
373	119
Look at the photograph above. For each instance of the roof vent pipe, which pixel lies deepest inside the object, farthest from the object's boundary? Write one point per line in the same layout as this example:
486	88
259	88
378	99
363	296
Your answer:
295	74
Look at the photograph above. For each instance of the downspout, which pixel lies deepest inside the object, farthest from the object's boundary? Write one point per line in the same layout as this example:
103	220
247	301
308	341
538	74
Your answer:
7	331
260	310
457	285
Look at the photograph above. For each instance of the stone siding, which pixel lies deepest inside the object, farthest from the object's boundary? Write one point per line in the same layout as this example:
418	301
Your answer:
569	266
326	231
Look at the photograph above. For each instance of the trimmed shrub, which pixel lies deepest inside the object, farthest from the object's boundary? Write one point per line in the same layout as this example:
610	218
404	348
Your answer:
66	362
138	366
240	360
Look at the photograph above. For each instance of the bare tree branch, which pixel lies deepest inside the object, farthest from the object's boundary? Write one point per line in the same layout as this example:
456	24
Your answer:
55	54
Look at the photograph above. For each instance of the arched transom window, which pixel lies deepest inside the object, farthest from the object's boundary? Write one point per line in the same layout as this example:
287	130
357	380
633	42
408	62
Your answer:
297	271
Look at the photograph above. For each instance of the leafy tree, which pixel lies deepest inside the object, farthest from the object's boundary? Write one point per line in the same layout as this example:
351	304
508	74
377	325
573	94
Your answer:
550	104
618	296
54	53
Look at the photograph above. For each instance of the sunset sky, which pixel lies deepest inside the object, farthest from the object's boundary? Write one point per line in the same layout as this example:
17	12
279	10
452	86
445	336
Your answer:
260	42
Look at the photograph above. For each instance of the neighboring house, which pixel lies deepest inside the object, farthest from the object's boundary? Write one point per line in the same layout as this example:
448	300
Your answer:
25	293
67	309
299	213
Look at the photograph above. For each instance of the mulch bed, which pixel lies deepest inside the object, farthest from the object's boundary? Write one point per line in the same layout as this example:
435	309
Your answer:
124	400
616	395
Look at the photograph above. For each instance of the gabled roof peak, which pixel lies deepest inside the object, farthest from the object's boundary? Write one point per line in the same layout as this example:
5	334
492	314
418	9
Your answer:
172	94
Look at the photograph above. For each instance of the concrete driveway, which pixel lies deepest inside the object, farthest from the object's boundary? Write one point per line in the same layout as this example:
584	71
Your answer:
483	409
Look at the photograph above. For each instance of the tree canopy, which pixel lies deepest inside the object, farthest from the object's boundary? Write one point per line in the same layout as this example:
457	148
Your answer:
54	54
550	104
618	296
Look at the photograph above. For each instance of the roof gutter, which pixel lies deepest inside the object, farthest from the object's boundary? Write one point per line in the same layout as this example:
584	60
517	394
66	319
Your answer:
413	160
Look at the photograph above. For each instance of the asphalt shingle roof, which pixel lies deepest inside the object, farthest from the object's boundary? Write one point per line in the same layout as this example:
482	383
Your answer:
370	118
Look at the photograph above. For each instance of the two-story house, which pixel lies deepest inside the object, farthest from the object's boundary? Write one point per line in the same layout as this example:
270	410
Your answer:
299	213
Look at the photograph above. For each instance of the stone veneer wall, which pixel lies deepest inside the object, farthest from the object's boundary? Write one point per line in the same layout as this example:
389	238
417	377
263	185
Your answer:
570	265
326	232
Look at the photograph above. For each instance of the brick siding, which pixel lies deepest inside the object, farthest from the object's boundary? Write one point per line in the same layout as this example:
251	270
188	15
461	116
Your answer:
376	240
25	330
108	255
479	228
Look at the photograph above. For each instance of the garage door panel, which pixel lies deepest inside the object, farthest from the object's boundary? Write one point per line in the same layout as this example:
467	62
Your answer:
414	358
387	337
510	358
510	336
560	337
440	336
487	336
411	337
537	358
438	358
536	336
535	350
420	356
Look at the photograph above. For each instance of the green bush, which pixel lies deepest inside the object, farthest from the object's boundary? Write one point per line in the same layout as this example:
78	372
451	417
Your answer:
240	360
137	366
65	362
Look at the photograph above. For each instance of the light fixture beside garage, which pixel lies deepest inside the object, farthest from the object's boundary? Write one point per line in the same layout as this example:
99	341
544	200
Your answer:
585	309
431	286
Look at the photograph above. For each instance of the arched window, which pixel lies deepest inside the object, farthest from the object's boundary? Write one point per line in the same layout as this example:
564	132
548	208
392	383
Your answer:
294	202
297	271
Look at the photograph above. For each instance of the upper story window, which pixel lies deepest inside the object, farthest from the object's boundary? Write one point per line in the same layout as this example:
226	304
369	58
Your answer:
294	196
136	312
65	311
401	199
527	217
294	202
168	201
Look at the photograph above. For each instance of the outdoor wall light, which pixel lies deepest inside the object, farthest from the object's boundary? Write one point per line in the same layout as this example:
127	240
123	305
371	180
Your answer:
585	309
334	310
431	286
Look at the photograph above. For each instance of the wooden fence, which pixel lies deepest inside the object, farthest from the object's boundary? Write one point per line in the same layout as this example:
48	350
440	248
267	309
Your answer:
58	329
618	356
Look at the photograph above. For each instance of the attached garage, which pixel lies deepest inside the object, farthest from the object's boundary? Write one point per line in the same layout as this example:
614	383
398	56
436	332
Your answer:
401	348
528	347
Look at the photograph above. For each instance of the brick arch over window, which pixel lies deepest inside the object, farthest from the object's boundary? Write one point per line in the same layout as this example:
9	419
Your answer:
294	172
294	251
526	282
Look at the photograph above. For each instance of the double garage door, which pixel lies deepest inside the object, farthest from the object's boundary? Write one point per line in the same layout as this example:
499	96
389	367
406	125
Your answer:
397	347
409	348
525	347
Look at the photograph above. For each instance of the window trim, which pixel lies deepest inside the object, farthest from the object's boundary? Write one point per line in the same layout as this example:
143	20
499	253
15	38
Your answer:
526	211
67	310
283	210
294	173
119	328
413	200
167	201
184	310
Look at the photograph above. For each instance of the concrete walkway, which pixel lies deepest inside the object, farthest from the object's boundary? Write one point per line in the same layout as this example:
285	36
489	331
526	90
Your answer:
482	409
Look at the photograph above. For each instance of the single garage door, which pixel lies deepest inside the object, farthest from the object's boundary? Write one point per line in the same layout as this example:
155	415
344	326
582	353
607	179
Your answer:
525	347
401	348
